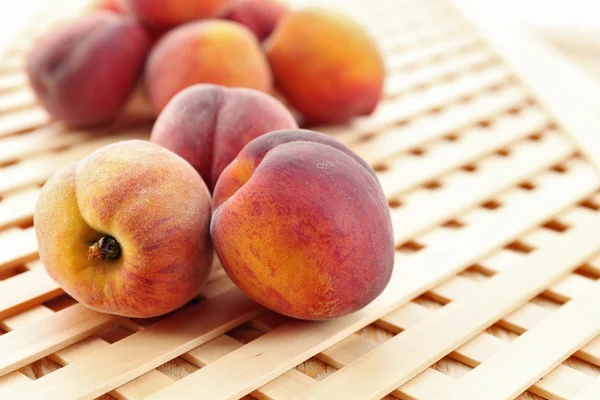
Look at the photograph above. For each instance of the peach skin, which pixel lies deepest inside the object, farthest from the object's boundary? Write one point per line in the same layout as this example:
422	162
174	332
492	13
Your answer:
170	13
220	52
84	73
126	230
301	225
260	16
117	6
208	125
325	65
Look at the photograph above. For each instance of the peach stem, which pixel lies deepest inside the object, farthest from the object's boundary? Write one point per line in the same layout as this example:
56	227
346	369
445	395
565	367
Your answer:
107	248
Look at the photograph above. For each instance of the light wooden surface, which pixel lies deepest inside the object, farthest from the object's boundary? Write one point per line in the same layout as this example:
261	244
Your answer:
490	167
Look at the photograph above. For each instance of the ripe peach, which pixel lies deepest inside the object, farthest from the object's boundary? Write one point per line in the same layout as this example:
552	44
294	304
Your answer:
260	16
301	225
169	13
325	65
208	125
85	73
126	230
219	52
117	6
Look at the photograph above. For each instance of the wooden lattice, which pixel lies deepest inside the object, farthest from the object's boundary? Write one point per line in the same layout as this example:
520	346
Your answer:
485	147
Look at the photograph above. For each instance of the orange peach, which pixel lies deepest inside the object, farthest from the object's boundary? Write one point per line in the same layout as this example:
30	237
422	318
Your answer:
260	16
126	230
84	74
220	52
169	13
208	125
325	65
117	6
301	225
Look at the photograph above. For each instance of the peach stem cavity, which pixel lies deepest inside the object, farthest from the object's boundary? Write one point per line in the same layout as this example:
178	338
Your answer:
107	248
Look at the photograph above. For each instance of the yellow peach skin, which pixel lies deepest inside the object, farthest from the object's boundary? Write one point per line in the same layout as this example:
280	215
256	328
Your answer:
169	13
126	230
325	65
220	52
301	225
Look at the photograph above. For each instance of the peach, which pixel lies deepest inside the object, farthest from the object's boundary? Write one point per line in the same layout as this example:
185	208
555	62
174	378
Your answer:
301	225
169	13
117	6
325	65
84	74
220	52
260	16
126	230
208	125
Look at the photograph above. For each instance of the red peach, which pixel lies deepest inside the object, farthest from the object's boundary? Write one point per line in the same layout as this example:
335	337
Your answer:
301	225
260	16
84	74
208	125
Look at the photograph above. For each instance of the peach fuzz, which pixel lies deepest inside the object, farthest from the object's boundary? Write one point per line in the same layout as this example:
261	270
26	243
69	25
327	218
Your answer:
325	65
260	16
301	225
220	52
208	125
169	13
126	230
84	73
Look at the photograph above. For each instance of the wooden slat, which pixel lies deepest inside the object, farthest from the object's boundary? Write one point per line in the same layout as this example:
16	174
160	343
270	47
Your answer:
17	209
448	47
18	249
534	353
11	82
15	382
405	355
284	387
442	30
58	330
450	155
38	170
284	347
402	83
425	129
353	347
22	120
563	382
26	289
51	137
590	392
137	389
15	101
459	194
391	112
131	357
20	347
